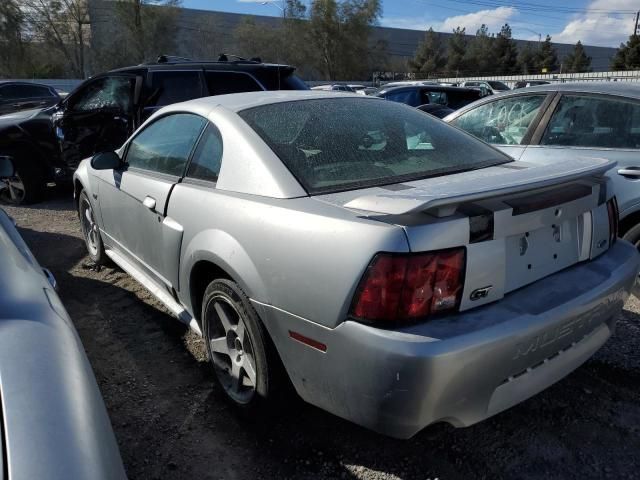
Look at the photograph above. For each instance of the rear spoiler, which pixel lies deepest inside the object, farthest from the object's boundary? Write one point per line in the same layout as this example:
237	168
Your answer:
442	198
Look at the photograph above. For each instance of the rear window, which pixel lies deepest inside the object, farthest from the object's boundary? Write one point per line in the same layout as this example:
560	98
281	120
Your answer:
498	85
338	144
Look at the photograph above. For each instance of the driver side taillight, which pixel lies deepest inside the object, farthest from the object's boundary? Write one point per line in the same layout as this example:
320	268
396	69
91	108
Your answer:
408	287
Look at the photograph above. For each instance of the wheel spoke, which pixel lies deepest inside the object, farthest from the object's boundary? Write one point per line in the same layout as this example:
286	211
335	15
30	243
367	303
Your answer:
87	214
235	377
247	366
224	318
219	345
240	330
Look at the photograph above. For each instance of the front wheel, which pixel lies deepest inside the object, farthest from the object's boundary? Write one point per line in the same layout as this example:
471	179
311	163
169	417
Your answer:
633	235
90	230
238	346
25	187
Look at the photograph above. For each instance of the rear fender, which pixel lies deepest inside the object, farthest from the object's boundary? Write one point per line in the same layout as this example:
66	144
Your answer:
223	250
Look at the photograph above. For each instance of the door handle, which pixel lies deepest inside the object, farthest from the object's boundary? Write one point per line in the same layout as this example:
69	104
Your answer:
149	202
630	172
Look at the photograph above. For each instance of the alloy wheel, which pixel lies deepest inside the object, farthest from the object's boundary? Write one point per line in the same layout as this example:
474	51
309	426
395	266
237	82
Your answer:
12	190
89	227
231	350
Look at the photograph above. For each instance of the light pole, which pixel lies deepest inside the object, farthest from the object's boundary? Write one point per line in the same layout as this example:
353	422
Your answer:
282	9
532	31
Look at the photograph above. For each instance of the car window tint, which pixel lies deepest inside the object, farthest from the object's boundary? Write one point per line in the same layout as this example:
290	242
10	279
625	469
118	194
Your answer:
599	122
435	97
165	145
207	158
406	96
273	79
174	87
221	83
106	92
504	121
24	91
338	144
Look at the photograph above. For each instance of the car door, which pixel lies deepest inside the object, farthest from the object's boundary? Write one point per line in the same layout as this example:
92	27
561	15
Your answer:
506	122
133	200
590	125
100	116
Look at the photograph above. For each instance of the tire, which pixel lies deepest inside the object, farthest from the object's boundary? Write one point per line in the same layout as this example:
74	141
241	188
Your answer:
243	358
27	186
90	230
633	235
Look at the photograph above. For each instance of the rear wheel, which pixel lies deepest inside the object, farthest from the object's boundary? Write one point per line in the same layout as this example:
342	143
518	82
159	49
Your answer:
26	186
240	351
90	230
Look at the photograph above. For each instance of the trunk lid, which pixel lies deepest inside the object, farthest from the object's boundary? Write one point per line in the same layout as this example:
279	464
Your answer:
519	222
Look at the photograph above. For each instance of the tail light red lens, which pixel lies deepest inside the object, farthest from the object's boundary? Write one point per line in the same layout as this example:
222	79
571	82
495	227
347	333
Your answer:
398	288
612	208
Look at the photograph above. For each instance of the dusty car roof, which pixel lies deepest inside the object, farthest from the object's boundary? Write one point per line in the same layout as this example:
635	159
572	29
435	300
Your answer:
626	89
241	101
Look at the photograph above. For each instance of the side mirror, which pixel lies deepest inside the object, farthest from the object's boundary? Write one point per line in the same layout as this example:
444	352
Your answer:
7	169
106	161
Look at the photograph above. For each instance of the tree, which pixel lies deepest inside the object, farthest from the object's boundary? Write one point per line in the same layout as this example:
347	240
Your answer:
429	58
628	55
577	61
528	60
547	60
506	52
456	51
11	39
480	53
62	24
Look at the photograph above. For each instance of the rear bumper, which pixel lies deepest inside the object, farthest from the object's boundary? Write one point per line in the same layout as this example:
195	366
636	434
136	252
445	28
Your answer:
464	368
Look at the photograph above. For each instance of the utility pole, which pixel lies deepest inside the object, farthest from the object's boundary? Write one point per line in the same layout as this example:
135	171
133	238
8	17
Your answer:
635	28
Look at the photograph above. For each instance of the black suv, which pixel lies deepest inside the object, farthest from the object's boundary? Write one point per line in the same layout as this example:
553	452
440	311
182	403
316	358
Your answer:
100	114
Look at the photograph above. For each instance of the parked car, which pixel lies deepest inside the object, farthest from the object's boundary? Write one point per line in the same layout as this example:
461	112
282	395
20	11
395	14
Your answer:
557	122
436	109
492	86
334	88
54	422
15	96
530	83
401	271
417	95
47	145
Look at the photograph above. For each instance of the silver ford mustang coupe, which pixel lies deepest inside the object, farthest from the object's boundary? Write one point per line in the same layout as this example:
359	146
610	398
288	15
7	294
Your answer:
53	422
396	270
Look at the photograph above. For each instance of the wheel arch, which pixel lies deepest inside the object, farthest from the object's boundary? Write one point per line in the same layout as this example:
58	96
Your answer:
215	254
630	220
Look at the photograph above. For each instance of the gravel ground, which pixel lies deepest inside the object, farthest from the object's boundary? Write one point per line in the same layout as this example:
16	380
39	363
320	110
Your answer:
172	421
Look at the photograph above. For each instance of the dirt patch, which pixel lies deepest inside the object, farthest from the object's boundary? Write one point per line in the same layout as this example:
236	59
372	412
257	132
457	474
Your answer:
172	421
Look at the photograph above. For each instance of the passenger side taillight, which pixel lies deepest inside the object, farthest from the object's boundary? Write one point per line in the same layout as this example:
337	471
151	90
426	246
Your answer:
612	208
410	286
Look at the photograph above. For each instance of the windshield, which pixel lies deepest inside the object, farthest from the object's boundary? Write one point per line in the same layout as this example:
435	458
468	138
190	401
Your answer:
498	85
346	143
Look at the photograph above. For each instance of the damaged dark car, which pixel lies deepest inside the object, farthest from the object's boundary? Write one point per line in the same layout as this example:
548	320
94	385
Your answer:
46	145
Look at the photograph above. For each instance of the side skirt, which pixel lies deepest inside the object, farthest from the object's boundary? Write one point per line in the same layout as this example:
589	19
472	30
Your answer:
174	307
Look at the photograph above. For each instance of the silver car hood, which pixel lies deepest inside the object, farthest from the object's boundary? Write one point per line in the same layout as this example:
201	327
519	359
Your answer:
441	195
54	422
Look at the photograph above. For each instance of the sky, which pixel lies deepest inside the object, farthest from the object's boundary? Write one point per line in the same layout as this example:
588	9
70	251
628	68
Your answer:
594	22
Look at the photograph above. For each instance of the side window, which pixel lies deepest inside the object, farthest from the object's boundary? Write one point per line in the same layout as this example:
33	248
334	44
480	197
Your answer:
401	97
174	87
165	145
24	91
503	122
220	83
598	122
106	92
206	160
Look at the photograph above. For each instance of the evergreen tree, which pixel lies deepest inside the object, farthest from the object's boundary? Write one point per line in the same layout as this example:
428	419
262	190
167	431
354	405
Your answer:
577	61
480	56
527	60
429	57
456	62
547	57
506	52
628	55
